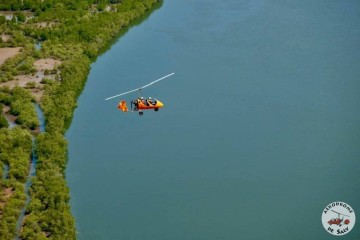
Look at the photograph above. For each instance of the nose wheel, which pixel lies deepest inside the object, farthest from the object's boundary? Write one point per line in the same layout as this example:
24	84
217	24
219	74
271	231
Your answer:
141	113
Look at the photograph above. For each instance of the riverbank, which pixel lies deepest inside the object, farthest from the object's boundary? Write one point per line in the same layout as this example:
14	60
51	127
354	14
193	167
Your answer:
75	44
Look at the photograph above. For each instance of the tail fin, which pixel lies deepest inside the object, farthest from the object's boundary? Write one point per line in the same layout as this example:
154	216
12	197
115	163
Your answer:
122	106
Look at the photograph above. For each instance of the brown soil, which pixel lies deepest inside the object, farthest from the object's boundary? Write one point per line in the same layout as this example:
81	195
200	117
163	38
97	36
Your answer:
11	118
46	64
5	37
41	65
6	53
46	24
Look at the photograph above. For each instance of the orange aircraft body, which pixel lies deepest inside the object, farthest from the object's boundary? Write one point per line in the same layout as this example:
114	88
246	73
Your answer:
140	104
336	221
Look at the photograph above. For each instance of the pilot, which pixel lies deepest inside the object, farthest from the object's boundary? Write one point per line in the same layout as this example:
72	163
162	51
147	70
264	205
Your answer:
151	101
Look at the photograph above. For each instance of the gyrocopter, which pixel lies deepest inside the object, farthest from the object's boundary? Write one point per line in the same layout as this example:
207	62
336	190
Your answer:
337	220
140	104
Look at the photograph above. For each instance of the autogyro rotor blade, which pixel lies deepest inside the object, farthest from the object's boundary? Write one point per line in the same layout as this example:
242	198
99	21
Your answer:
137	89
339	213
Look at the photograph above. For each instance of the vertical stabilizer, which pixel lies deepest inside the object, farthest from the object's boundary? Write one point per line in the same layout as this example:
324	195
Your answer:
122	106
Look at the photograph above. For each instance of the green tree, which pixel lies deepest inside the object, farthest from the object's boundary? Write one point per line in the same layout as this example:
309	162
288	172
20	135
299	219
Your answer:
3	122
20	17
2	19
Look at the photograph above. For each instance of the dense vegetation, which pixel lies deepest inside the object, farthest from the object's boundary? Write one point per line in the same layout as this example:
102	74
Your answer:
37	5
15	152
20	102
74	32
21	64
3	122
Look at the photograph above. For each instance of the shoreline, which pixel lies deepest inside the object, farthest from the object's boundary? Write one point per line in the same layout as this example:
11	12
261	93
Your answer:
76	51
51	216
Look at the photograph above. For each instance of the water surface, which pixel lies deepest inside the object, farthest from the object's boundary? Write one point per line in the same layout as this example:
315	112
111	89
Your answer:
260	129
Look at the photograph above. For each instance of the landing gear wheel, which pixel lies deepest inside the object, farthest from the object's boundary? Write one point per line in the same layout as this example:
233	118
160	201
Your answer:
141	113
156	109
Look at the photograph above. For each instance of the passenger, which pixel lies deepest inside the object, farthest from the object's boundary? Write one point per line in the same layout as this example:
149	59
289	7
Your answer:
144	101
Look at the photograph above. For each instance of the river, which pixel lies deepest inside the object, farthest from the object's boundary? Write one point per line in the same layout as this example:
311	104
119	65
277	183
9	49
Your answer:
32	169
260	129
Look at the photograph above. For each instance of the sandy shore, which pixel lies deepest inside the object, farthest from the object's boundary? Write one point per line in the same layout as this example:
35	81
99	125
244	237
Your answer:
6	53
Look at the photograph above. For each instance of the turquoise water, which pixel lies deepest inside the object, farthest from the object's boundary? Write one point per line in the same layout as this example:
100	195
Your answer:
260	129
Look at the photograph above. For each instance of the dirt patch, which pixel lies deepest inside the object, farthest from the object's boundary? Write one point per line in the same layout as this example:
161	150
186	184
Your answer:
107	8
5	37
33	82
6	53
46	64
46	24
37	93
10	118
7	192
22	81
26	80
6	109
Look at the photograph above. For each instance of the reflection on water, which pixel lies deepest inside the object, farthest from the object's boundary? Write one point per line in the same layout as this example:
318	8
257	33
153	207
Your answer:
260	128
